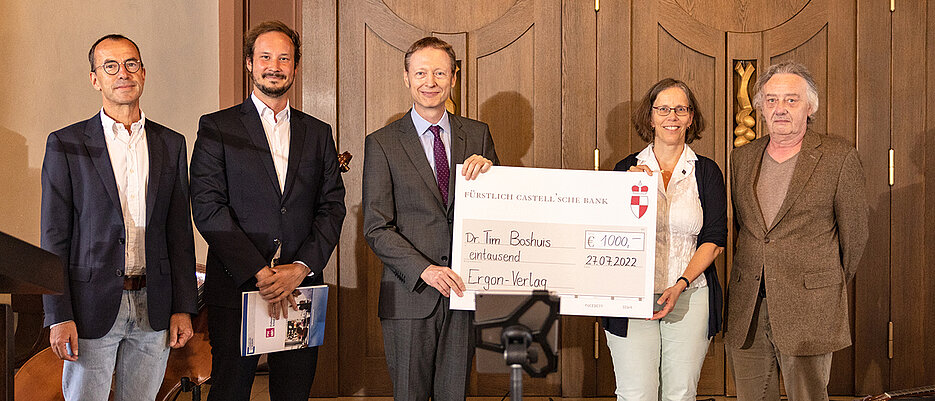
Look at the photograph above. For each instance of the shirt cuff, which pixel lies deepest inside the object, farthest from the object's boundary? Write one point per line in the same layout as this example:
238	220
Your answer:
61	323
310	272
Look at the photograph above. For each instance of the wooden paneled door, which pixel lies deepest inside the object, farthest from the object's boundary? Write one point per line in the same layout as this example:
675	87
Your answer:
557	79
901	39
509	77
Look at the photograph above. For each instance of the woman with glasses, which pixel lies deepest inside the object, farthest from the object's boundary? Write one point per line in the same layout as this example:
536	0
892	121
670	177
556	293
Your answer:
661	358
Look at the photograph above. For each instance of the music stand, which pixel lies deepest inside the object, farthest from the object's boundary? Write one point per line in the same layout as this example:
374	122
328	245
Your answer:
521	330
24	269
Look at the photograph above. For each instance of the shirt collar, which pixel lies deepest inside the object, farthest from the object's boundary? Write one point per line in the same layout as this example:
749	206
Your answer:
422	126
263	109
686	160
109	124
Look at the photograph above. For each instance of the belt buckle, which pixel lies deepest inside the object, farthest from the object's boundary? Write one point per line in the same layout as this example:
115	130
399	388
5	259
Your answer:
134	283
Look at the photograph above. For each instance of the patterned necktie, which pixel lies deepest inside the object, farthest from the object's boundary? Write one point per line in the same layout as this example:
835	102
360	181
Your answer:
441	163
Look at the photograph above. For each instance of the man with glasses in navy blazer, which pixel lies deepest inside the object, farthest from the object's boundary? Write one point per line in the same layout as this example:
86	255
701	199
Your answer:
115	210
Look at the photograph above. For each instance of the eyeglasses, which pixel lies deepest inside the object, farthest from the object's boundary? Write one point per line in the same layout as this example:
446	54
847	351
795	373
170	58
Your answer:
679	110
113	67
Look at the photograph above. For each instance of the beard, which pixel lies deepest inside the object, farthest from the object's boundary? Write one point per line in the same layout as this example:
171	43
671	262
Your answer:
273	91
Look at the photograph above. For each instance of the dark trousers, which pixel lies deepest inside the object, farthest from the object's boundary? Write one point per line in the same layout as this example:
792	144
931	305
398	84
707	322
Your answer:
431	356
290	372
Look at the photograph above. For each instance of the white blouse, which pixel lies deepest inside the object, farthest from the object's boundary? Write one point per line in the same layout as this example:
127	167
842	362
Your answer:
679	218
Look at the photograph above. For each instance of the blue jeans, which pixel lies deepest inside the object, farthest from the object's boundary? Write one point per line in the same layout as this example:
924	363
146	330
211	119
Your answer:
131	351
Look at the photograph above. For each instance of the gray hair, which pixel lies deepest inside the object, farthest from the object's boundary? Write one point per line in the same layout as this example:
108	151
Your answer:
788	67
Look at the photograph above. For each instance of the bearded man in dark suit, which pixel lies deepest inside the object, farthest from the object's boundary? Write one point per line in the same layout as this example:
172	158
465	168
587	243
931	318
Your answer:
269	200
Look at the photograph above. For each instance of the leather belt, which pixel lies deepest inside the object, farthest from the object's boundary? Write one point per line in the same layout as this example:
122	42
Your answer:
134	283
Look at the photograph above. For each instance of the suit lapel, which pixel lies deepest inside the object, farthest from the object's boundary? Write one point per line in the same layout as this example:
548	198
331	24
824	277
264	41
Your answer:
96	147
457	154
409	140
157	155
753	164
296	146
804	166
251	122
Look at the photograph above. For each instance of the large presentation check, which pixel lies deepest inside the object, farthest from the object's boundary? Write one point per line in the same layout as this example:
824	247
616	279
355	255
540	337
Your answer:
589	236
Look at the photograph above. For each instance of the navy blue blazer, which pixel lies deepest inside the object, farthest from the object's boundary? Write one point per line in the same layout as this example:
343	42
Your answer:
82	223
713	196
239	209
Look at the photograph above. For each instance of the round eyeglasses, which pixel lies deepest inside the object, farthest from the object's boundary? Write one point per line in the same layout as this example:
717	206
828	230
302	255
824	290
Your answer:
113	67
679	110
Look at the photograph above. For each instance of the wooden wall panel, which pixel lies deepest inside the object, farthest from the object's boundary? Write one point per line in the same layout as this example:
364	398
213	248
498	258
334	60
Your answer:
911	283
319	86
871	362
232	76
579	85
579	121
450	15
614	101
928	143
505	92
699	72
388	98
742	15
842	69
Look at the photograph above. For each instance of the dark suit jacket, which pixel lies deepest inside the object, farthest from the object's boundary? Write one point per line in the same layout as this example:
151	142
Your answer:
238	207
405	221
82	223
807	254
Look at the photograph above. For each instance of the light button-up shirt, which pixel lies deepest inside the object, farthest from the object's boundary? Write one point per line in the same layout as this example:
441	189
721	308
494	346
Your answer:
278	131
129	157
427	138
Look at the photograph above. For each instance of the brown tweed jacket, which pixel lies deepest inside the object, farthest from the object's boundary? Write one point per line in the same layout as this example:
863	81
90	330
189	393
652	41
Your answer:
808	253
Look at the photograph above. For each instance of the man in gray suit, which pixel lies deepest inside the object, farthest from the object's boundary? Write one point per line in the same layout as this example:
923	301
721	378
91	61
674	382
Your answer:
408	215
801	209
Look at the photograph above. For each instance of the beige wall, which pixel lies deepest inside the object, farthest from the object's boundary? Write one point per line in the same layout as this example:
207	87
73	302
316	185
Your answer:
44	81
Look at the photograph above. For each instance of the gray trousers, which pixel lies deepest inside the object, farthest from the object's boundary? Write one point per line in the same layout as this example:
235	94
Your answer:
430	357
756	366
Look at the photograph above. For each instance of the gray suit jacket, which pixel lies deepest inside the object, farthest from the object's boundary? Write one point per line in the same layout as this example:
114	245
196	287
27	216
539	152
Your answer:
405	221
808	253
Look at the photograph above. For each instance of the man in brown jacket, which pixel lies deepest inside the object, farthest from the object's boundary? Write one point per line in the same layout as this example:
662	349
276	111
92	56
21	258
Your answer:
801	212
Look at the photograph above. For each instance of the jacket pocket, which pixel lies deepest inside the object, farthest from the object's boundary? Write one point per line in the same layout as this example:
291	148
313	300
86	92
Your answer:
823	279
164	266
79	273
